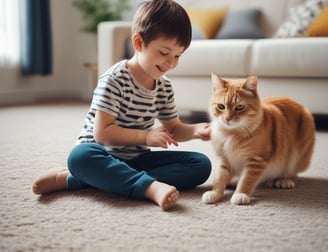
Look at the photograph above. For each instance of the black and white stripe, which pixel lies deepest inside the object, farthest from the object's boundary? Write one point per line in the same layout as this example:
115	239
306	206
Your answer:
135	107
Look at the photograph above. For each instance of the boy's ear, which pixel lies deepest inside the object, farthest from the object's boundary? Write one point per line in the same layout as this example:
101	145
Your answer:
137	41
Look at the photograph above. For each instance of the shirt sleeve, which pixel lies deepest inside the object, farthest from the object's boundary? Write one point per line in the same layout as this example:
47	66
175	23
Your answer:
107	96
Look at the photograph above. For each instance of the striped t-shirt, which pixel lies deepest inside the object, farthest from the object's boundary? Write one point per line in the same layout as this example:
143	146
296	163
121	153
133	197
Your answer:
133	106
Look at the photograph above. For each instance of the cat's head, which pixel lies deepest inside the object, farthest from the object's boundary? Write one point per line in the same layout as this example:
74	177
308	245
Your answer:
234	103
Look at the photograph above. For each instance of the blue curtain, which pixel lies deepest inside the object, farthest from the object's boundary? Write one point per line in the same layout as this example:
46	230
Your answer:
36	37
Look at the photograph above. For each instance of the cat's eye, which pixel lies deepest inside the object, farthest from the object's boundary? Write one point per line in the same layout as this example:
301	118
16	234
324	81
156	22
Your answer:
220	106
240	107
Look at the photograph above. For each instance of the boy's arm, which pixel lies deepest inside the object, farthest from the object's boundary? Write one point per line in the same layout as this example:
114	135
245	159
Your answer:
106	132
184	132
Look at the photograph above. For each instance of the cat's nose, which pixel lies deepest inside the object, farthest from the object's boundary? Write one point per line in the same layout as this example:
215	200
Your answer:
227	119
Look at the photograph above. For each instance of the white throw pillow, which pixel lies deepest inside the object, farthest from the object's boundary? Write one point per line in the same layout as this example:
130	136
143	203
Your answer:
299	19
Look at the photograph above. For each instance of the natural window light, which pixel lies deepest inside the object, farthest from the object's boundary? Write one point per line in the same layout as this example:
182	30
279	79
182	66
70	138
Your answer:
9	33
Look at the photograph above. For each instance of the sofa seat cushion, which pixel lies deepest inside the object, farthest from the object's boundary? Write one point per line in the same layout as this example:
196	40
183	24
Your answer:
290	57
200	59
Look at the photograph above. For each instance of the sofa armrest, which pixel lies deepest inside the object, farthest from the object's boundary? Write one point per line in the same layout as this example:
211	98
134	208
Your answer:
112	36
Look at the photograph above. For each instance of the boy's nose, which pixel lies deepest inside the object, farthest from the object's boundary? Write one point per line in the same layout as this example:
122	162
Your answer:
171	63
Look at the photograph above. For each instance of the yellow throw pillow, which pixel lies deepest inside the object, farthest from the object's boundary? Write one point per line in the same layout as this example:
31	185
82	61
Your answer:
319	26
208	20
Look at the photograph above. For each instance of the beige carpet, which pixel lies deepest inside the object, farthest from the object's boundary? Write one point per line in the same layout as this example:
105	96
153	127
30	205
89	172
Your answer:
35	138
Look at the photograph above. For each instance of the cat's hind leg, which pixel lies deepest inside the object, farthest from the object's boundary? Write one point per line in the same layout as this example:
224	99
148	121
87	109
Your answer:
281	183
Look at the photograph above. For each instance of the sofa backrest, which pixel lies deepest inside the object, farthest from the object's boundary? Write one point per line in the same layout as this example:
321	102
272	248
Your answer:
273	12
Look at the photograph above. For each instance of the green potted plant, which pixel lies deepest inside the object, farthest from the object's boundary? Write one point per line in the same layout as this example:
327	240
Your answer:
96	11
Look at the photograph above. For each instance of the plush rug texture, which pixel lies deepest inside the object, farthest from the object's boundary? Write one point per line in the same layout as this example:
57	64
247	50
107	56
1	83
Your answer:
38	137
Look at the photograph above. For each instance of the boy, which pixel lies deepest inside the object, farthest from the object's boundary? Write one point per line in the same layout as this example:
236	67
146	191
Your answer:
113	149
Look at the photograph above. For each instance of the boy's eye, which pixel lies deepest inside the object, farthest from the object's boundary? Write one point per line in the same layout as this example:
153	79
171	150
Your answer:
166	54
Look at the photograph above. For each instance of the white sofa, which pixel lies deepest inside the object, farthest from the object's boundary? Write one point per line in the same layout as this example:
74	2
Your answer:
294	67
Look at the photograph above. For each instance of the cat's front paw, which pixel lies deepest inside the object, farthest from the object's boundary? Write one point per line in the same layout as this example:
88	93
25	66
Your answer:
240	199
211	197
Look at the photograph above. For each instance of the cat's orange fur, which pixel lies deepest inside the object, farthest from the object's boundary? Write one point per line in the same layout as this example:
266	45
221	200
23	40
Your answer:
269	140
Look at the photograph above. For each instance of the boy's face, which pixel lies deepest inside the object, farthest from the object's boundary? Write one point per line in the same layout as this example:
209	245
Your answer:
160	56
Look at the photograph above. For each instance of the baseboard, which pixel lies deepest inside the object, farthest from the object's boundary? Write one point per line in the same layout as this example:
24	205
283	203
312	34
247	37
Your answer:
321	122
37	96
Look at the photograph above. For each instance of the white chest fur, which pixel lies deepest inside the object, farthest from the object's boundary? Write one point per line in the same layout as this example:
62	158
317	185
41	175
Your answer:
225	147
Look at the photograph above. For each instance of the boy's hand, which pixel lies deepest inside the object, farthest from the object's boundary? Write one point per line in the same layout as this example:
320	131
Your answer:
160	137
203	131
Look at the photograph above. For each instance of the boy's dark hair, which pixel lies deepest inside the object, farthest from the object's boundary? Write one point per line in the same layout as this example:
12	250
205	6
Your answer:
162	18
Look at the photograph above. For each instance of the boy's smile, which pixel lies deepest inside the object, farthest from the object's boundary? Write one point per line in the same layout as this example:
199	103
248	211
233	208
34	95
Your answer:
163	70
152	61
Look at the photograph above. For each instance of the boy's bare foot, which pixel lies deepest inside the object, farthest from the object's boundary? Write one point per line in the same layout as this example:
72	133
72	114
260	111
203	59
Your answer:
50	181
162	194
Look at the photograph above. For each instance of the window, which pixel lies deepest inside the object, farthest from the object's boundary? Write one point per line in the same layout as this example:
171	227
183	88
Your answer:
9	33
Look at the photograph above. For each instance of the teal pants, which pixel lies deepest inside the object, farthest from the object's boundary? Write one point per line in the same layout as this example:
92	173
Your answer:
91	165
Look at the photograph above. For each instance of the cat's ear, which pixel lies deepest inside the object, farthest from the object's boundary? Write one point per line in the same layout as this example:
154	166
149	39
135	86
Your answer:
217	82
251	83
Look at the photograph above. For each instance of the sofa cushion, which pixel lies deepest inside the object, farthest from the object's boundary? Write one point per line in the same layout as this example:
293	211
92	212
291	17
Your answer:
290	57
208	20
241	24
206	56
299	19
319	26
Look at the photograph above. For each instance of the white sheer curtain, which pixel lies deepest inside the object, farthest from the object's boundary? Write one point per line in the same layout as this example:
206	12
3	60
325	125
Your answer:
9	33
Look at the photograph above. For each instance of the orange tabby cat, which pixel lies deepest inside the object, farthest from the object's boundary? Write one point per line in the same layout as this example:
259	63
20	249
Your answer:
269	140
